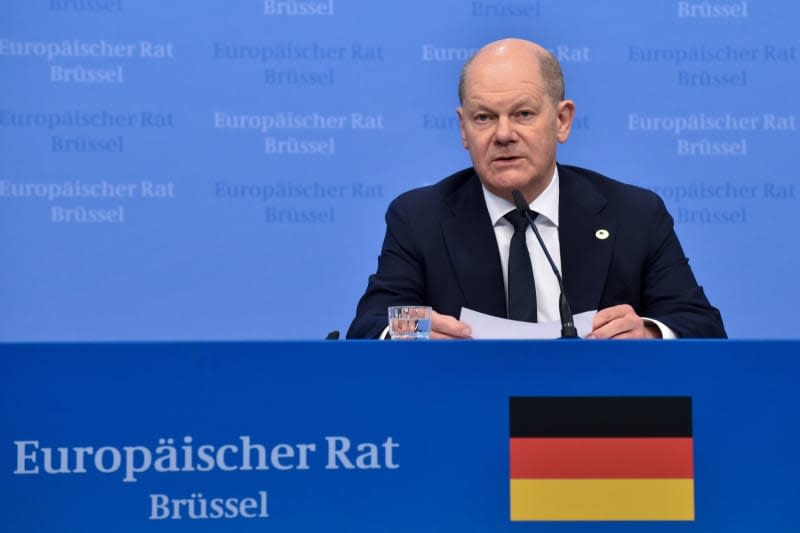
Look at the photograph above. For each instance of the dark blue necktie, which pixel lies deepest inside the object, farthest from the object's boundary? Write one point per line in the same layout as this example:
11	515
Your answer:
521	289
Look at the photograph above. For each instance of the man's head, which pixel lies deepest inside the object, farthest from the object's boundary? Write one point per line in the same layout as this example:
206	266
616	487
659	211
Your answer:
513	114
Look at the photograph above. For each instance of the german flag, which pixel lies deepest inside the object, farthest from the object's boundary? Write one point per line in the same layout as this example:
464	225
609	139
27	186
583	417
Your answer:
601	458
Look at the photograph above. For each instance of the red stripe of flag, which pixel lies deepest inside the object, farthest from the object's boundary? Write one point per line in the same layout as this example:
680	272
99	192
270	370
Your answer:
628	457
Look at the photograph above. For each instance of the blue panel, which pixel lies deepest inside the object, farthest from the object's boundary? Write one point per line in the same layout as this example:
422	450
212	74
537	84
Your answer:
443	405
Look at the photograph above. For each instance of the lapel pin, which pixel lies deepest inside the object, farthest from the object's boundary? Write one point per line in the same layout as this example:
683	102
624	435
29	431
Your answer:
601	234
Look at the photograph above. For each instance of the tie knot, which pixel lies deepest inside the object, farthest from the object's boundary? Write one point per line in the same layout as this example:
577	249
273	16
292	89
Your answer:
518	220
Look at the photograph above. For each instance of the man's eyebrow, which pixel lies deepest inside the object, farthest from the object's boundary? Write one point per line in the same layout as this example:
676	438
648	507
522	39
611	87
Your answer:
523	101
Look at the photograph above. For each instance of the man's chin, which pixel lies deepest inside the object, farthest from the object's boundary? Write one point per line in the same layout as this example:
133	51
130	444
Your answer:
510	179
503	187
502	183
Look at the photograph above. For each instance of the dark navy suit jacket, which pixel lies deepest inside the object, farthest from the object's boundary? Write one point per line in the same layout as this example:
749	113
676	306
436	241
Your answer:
440	250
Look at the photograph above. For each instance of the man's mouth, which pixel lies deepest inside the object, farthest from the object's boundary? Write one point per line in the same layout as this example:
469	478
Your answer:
506	159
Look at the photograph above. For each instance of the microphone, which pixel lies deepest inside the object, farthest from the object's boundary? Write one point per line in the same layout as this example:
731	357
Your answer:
332	336
568	330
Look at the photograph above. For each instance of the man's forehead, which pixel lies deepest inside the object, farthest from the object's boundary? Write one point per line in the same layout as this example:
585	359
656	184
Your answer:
503	89
504	73
529	95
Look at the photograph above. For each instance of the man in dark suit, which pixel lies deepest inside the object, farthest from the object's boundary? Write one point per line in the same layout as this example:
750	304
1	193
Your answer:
447	245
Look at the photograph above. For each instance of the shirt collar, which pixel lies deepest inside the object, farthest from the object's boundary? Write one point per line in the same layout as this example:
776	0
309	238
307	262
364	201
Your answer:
546	204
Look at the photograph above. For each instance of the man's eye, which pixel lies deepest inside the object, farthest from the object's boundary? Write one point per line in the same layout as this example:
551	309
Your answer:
482	117
525	114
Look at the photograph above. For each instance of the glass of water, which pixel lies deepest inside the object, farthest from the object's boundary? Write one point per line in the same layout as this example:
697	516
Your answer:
410	322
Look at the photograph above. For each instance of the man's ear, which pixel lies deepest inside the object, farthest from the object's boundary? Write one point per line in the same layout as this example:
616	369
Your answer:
565	113
460	113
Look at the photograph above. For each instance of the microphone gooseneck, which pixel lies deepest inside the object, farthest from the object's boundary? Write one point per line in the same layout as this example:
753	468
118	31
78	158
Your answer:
568	330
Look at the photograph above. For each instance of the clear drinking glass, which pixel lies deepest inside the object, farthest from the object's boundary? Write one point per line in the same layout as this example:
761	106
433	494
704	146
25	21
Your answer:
410	322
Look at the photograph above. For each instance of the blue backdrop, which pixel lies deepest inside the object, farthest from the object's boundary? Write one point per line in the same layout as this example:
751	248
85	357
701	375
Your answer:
220	170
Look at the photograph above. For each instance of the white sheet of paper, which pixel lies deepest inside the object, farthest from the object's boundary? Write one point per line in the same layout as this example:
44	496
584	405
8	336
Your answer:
491	327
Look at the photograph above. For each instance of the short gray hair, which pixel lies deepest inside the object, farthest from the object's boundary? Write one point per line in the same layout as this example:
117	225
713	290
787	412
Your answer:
549	67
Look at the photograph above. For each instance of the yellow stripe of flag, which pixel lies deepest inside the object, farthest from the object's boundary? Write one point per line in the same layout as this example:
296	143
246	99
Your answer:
602	499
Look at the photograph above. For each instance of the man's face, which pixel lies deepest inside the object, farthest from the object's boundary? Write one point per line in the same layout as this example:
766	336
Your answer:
510	125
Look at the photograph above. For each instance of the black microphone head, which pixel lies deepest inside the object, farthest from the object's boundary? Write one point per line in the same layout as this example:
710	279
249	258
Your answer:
519	201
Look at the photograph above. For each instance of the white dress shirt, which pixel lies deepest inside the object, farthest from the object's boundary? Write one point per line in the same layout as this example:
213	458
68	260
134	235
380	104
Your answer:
547	289
546	204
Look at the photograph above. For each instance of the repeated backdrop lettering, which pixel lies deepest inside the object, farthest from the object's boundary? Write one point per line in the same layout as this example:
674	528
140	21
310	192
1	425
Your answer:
220	170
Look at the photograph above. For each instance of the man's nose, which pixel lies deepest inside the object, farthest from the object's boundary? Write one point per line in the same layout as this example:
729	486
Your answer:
504	132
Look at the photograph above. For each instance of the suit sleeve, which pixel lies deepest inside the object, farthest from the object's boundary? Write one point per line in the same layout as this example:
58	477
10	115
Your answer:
670	292
399	279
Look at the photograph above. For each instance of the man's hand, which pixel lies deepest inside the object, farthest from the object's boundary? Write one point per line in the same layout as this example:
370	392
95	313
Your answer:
447	327
622	322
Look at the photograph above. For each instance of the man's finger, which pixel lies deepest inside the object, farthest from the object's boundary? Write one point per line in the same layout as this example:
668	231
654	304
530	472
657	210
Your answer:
604	316
448	327
618	322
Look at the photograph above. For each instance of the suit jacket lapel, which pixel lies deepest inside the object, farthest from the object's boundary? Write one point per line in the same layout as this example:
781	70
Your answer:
585	256
472	248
